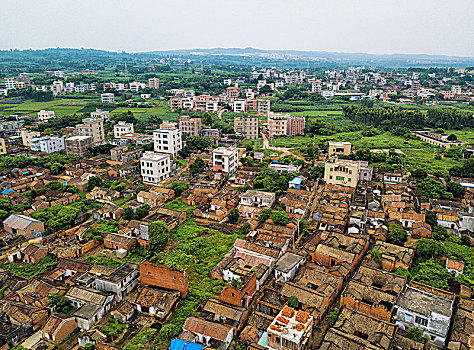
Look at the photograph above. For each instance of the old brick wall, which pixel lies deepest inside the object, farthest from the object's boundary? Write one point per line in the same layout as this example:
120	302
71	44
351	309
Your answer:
163	277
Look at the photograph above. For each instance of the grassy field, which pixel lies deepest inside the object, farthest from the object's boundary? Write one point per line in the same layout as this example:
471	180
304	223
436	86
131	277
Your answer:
61	107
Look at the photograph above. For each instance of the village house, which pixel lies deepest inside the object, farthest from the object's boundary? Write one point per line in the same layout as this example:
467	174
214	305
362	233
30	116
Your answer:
58	328
426	308
117	241
38	292
337	249
17	224
108	211
315	291
455	267
214	310
161	276
219	206
287	266
257	199
30	317
124	311
120	282
373	292
91	305
290	330
156	302
421	229
33	253
211	334
393	256
355	330
172	218
100	194
463	327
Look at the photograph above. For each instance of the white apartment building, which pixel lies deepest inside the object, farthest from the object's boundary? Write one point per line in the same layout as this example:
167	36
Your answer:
168	139
122	128
155	167
57	87
28	136
107	97
44	116
47	144
225	159
239	106
100	114
135	86
10	83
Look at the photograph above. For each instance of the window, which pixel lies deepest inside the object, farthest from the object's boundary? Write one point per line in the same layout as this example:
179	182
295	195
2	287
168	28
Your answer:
421	321
340	178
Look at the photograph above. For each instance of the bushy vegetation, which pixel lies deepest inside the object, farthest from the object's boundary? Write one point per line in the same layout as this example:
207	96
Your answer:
103	260
31	270
113	329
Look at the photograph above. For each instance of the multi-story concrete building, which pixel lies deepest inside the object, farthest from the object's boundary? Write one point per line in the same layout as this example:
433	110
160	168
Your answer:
100	114
338	148
232	92
225	159
47	144
277	125
155	167
122	128
107	97
247	126
94	128
426	308
167	139
239	106
44	116
27	136
295	126
263	107
10	83
341	172
290	330
154	83
190	126
77	146
57	87
3	148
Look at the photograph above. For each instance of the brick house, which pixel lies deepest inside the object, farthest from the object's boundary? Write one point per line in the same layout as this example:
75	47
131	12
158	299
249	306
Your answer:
17	224
392	256
338	249
156	302
58	327
373	292
33	253
162	276
116	241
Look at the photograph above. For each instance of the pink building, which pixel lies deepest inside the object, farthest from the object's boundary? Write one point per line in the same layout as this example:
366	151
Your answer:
295	126
285	124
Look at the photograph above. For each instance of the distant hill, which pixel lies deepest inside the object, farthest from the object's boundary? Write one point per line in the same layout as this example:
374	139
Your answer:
341	57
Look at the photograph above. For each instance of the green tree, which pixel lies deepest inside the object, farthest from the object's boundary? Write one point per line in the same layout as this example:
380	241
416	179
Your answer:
265	215
465	240
416	334
179	187
279	218
57	168
397	235
429	248
452	137
332	316
94	181
431	219
158	235
419	174
197	167
440	233
293	302
233	216
456	189
430	188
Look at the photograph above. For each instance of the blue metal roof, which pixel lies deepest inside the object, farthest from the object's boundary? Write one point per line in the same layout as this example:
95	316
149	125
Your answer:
179	344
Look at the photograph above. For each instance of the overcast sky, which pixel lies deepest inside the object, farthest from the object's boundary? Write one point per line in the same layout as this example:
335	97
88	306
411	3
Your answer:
372	26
